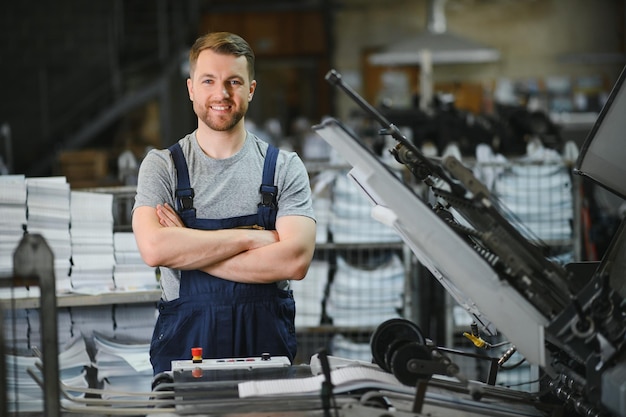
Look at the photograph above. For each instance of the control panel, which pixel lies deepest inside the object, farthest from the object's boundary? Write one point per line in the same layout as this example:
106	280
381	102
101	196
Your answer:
264	361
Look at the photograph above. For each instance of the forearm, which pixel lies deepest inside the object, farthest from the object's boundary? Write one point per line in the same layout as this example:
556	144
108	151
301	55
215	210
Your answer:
185	248
287	259
182	248
263	265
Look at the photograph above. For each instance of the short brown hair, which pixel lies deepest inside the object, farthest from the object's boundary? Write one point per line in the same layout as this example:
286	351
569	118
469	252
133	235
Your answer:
222	43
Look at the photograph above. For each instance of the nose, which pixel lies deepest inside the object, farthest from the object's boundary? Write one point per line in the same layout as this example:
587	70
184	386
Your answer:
225	91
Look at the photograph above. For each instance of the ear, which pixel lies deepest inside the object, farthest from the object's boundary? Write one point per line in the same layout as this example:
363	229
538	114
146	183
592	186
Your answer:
190	89
252	89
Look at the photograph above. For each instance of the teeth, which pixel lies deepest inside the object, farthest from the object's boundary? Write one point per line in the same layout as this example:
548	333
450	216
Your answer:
220	107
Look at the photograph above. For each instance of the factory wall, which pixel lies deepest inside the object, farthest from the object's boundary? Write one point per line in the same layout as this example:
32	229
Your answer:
536	39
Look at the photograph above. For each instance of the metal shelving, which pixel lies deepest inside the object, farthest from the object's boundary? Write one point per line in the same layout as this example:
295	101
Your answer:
84	300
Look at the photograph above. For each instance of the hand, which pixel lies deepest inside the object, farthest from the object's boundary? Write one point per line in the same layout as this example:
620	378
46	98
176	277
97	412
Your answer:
260	238
168	216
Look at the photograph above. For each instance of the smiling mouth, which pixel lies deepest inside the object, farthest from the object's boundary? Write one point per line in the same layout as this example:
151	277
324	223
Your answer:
222	107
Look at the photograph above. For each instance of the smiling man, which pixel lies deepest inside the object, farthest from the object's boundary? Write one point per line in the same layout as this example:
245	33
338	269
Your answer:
228	219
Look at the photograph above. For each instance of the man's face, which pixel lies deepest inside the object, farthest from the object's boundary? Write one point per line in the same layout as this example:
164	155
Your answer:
220	89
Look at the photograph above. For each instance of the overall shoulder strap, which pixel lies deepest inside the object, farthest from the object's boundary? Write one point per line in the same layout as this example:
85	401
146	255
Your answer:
268	207
184	192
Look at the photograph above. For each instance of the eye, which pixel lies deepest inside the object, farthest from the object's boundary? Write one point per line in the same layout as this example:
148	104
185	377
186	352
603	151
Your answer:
235	82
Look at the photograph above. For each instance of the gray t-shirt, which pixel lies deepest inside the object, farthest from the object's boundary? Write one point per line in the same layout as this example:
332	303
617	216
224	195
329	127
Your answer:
223	188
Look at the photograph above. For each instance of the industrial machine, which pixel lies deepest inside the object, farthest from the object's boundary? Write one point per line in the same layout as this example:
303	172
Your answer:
567	319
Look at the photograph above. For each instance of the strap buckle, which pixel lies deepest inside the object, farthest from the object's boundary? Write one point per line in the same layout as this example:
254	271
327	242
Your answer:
268	196
185	198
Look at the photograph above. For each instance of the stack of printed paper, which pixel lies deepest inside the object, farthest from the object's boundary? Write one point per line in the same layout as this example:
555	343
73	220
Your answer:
88	320
134	322
92	242
351	220
309	294
64	327
123	366
360	296
13	225
24	395
48	204
12	218
345	347
16	329
131	273
321	187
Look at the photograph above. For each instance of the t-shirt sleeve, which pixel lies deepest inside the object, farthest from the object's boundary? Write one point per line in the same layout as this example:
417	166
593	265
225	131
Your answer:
155	178
295	195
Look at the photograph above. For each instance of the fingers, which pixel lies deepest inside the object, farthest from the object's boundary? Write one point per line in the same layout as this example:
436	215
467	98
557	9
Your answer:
167	216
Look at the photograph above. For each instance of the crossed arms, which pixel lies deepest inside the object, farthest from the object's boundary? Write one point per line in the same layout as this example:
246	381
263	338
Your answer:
242	255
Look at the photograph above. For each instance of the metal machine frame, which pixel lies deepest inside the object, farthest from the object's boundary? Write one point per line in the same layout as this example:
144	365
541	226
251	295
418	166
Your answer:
570	324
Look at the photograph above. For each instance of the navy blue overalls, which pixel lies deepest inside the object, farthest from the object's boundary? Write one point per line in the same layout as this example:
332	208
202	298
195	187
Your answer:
225	318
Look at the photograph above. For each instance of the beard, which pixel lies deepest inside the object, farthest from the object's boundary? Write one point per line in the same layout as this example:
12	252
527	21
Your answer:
219	123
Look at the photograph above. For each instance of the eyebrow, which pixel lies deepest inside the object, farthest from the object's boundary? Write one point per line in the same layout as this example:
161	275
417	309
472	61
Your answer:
234	76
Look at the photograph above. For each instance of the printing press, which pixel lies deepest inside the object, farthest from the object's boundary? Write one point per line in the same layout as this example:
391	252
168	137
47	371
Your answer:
566	319
569	320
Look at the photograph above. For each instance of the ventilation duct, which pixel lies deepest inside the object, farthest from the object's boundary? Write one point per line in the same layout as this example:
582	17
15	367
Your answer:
442	46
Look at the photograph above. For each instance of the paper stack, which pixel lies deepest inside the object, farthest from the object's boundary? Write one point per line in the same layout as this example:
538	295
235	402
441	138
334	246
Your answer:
130	272
309	294
352	378
321	187
360	296
134	322
12	219
345	347
540	196
88	320
24	395
351	220
16	329
64	327
48	204
123	366
92	242
73	359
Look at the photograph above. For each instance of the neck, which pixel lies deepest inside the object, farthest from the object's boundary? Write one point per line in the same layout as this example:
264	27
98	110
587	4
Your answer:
221	145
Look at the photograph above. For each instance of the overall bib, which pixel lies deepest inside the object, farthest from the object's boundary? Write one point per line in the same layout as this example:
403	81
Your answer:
225	318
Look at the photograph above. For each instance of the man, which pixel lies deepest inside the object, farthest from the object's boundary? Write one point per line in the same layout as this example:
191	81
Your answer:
227	218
